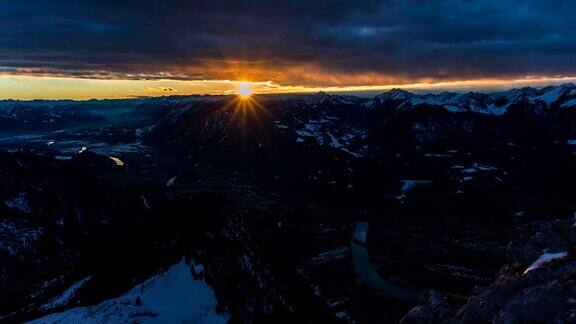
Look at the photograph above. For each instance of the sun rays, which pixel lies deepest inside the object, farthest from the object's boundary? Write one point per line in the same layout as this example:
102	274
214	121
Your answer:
246	116
247	110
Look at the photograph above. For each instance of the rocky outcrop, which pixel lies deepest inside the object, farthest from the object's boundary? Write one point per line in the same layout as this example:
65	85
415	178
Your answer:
525	291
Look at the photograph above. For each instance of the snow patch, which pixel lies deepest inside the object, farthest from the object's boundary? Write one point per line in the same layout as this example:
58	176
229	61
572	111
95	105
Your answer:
544	259
117	161
568	104
65	296
324	132
410	184
335	254
145	202
492	109
171	181
552	95
437	155
19	203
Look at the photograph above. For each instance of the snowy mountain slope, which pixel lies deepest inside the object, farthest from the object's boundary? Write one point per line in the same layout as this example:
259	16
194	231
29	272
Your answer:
171	297
491	104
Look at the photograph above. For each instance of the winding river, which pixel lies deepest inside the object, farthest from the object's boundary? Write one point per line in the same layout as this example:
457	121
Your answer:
367	272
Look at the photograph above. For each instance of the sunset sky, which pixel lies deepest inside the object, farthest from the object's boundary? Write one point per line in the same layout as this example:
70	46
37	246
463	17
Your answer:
110	49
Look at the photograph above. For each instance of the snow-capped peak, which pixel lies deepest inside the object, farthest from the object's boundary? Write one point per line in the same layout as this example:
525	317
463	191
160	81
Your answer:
551	94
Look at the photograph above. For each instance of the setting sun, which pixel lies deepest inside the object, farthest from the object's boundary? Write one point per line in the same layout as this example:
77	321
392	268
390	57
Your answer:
244	90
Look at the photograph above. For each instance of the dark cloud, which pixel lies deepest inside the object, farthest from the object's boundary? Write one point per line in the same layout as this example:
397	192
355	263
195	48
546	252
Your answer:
292	42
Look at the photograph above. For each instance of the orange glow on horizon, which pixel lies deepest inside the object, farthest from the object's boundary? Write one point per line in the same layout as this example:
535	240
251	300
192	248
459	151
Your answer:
26	87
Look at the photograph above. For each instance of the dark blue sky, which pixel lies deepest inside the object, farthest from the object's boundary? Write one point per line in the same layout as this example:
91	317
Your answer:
290	42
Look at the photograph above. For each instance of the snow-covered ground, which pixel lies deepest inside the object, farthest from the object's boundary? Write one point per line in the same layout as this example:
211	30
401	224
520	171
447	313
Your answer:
325	132
171	297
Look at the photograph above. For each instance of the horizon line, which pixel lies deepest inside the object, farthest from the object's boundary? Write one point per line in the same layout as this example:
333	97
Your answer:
81	89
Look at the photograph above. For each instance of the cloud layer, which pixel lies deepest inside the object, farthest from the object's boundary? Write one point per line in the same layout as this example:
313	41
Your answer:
312	43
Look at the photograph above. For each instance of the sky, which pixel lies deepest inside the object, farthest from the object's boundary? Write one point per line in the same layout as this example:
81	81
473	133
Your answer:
83	49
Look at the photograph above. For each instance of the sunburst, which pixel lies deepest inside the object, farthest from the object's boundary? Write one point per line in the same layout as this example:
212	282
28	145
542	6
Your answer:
245	91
